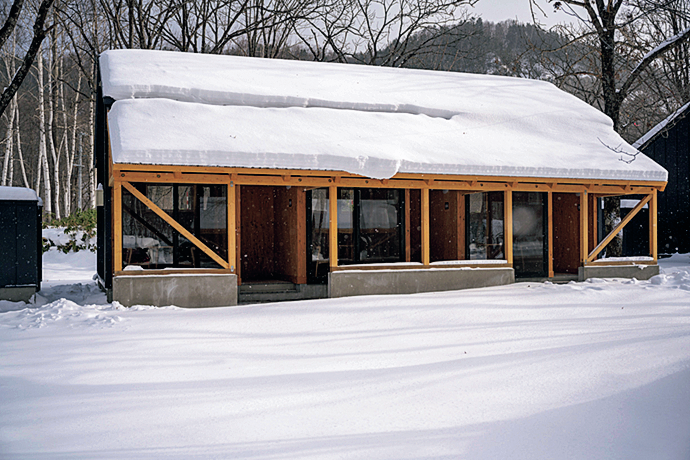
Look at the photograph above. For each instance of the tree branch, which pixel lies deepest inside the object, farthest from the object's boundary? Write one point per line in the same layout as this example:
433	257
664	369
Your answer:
650	57
39	34
11	21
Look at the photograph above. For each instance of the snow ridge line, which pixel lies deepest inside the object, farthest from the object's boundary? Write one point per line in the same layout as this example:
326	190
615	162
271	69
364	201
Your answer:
223	98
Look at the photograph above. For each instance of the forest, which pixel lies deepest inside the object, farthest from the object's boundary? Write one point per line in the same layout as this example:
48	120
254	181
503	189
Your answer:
628	58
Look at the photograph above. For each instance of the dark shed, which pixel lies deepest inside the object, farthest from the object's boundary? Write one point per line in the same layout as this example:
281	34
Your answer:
20	243
669	145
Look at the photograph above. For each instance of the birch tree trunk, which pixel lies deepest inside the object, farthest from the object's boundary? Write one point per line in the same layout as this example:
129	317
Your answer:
7	162
10	175
10	68
92	169
71	146
52	87
42	147
19	150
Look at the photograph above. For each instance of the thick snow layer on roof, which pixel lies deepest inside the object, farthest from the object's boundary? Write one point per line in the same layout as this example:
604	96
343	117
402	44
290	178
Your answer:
190	109
641	142
17	194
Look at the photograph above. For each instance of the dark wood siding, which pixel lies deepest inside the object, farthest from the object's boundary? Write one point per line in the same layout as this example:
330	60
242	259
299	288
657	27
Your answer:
671	149
20	243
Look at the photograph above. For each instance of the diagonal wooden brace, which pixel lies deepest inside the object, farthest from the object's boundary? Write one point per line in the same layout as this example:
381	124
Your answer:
595	252
174	224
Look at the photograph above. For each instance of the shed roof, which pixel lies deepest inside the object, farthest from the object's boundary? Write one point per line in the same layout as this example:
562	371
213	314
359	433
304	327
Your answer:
17	194
668	122
191	109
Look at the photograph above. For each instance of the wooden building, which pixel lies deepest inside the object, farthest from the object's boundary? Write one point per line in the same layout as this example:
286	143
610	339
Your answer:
226	177
668	144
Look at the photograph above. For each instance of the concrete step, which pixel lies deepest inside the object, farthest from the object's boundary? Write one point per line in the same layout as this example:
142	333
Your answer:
264	287
263	294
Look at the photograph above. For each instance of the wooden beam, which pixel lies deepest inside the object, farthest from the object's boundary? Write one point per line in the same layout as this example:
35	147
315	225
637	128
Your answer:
173	177
232	229
117	227
622	262
183	231
426	254
653	228
417	266
619	227
584	227
549	231
168	271
508	226
408	249
333	226
312	178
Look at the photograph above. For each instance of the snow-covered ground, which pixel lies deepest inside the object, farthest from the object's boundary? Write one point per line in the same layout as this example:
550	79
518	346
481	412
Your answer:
595	370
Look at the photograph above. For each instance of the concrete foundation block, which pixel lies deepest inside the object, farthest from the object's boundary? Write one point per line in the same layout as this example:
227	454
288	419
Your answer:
640	272
373	282
17	293
181	290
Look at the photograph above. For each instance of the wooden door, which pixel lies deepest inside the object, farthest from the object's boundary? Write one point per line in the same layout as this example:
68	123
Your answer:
566	232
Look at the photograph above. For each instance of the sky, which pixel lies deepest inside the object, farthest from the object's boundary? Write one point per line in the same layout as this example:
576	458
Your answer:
501	10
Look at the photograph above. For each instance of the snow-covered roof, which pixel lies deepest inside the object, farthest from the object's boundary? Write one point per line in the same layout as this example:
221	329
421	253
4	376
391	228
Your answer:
17	194
208	110
644	140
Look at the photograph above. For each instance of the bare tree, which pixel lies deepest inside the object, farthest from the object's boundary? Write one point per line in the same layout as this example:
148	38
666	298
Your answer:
11	21
381	32
39	33
138	23
609	22
607	63
207	26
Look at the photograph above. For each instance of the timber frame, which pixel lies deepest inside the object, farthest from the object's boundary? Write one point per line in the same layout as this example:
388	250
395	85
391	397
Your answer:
123	175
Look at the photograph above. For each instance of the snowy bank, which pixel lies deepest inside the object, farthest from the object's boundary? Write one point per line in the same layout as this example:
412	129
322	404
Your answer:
527	371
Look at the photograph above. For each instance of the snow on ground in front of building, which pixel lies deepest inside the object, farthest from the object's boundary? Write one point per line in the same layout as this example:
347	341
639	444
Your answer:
529	371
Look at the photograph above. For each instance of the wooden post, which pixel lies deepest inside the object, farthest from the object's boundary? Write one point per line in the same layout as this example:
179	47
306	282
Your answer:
550	242
232	227
408	249
117	226
653	235
238	233
301	215
584	227
460	225
426	256
333	226
508	226
593	216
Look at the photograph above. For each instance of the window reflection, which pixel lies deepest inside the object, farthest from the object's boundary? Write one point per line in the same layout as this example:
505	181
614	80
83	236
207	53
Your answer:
369	225
485	226
529	248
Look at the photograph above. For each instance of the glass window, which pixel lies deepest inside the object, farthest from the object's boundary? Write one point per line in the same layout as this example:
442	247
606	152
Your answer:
529	248
346	226
485	226
319	259
369	225
379	225
150	242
